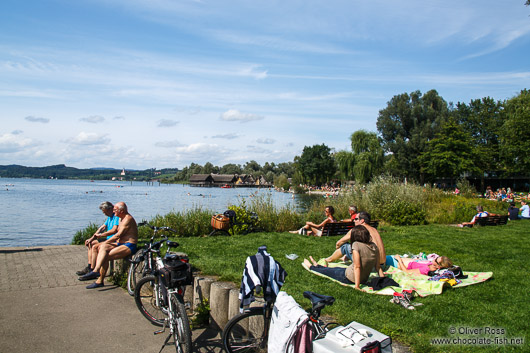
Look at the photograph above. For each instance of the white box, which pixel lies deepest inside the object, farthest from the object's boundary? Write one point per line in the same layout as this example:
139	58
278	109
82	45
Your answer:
334	342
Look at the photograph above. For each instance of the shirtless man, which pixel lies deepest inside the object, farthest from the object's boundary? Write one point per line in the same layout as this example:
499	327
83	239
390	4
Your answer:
343	245
119	246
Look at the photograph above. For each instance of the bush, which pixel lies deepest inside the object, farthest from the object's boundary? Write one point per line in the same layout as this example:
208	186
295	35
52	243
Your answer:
465	187
83	234
188	223
402	212
299	190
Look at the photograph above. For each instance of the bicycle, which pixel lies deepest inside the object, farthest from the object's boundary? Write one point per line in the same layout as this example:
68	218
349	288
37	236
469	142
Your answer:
159	297
249	330
142	263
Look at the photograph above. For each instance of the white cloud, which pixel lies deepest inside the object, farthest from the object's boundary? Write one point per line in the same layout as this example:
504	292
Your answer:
169	144
266	141
167	123
229	136
119	118
236	115
17	132
93	119
11	143
89	138
35	119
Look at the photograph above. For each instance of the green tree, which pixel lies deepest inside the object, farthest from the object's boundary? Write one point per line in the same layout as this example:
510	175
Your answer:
365	161
209	168
369	155
286	168
230	169
483	119
345	164
253	168
316	165
515	134
450	153
406	125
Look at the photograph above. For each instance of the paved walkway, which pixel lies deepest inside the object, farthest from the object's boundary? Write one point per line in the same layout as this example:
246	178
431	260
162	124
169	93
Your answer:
44	308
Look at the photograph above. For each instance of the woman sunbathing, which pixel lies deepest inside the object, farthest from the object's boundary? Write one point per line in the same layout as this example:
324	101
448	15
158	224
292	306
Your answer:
365	257
422	267
311	228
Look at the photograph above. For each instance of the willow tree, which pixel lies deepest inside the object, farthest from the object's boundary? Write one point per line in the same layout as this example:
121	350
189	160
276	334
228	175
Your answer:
369	155
345	163
365	160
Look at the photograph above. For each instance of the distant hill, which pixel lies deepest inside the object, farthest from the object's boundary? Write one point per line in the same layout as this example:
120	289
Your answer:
61	171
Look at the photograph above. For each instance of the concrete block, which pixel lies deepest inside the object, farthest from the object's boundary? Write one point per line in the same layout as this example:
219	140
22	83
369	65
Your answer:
201	290
219	293
256	324
233	303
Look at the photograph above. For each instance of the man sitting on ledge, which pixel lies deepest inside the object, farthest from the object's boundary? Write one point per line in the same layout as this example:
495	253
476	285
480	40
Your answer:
119	246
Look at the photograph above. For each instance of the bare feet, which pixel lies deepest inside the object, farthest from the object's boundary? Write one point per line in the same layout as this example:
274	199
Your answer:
307	263
313	260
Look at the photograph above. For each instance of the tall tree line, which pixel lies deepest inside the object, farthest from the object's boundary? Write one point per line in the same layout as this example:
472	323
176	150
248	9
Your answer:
423	137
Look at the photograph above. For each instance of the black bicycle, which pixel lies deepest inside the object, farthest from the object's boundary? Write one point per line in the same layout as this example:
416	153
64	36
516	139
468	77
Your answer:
143	262
249	330
160	297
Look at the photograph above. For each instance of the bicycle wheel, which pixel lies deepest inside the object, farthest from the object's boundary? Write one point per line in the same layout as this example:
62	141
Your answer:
145	296
135	273
245	332
180	325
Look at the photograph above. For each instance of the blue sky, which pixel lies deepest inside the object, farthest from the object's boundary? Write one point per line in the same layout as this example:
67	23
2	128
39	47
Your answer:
163	83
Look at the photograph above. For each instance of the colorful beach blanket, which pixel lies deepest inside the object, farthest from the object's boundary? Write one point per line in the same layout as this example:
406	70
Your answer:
417	282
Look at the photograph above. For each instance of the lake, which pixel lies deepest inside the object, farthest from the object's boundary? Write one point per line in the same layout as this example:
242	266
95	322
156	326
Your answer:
38	212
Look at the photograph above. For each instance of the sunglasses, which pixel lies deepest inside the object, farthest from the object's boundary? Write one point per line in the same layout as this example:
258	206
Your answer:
356	219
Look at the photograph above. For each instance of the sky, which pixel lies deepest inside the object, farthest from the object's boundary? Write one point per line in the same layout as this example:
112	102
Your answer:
141	84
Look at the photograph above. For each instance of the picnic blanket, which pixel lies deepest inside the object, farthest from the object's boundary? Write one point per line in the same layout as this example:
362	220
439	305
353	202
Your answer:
417	282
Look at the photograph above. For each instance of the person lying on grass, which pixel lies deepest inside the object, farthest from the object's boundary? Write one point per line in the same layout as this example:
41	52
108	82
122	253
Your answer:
311	228
422	267
365	256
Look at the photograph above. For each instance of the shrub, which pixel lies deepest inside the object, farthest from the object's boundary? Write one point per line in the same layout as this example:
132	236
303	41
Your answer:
187	223
299	190
465	187
83	234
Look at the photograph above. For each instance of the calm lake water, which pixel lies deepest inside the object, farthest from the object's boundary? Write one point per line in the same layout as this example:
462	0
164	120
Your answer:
37	212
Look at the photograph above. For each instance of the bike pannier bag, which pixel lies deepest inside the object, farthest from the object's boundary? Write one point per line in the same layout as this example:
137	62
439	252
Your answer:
176	272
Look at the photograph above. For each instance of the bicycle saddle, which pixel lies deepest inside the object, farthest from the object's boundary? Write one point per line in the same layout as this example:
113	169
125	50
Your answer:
319	298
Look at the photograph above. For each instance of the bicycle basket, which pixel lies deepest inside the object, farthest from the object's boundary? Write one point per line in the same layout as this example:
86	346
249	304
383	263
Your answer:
220	222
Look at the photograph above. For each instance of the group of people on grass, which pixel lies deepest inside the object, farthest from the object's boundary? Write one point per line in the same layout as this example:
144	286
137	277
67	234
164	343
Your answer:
363	246
504	194
115	239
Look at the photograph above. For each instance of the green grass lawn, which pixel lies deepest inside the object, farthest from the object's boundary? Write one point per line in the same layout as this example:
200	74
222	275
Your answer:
499	303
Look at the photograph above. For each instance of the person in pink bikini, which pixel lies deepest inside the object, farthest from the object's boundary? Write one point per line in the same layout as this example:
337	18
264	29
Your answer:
422	267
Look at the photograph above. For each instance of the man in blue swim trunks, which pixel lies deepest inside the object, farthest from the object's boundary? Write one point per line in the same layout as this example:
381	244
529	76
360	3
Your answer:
119	246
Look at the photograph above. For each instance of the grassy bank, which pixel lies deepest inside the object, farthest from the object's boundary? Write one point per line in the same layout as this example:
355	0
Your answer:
498	303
